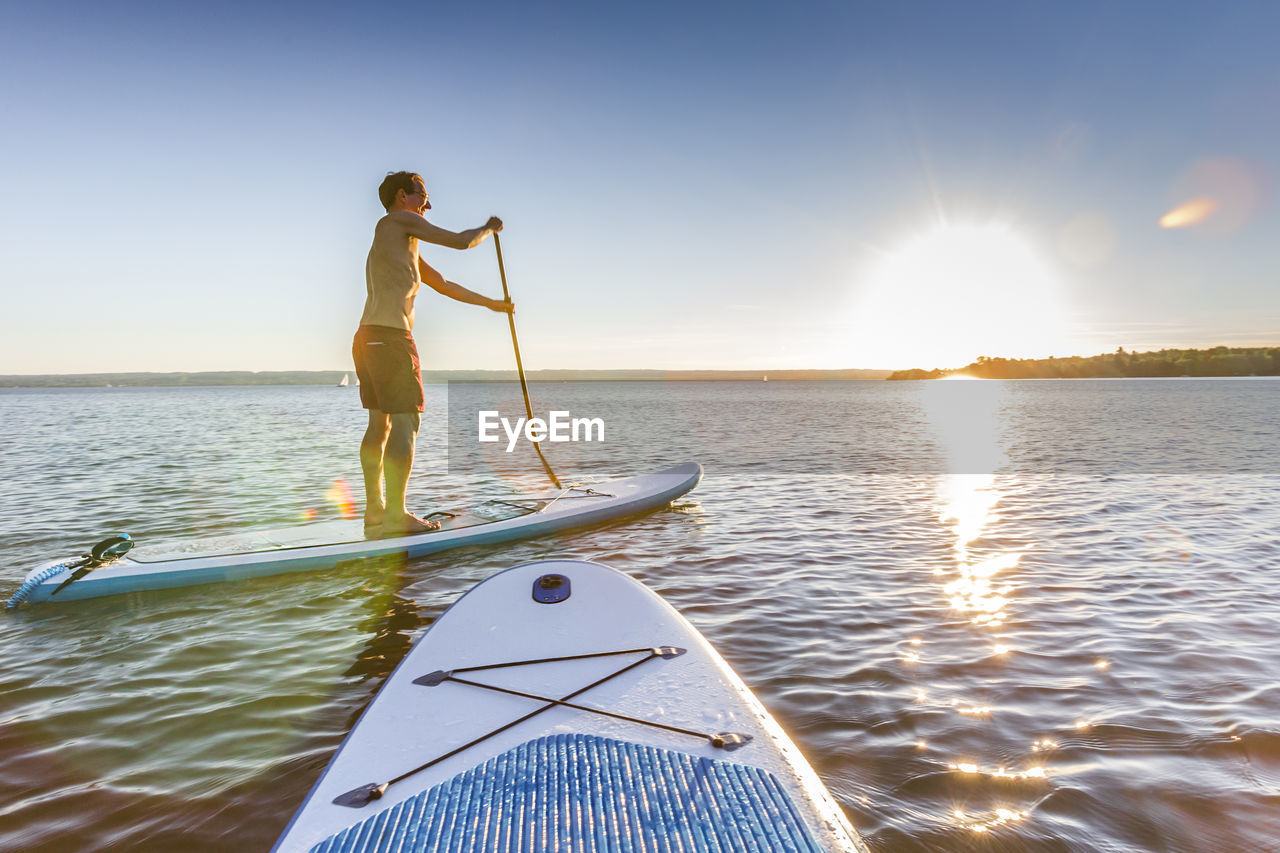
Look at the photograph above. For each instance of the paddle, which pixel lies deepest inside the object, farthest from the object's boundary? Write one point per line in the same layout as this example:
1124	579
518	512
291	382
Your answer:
524	386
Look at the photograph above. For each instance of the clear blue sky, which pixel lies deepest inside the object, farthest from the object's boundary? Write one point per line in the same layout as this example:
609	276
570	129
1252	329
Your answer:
685	185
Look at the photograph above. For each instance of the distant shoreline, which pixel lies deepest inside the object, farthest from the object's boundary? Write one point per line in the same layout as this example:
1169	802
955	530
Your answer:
1216	362
333	377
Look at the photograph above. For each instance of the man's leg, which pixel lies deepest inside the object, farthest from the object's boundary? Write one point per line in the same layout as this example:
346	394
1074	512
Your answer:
371	462
398	460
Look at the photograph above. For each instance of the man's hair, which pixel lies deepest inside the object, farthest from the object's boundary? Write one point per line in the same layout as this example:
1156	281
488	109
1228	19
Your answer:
396	181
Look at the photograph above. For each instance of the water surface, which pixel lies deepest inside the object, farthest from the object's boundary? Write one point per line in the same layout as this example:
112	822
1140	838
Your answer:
1027	616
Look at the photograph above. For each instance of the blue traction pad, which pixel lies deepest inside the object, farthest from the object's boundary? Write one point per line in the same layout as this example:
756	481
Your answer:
583	794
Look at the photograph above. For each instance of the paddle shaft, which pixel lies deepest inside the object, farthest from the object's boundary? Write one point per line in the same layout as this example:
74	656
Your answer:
515	344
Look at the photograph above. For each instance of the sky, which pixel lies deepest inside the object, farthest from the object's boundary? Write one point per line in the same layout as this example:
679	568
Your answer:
684	185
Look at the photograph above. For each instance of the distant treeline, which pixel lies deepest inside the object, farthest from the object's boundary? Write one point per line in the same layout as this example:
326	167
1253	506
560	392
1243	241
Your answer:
333	377
1218	361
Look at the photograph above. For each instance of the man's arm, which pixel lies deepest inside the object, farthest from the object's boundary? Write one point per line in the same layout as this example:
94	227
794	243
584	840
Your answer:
432	279
419	227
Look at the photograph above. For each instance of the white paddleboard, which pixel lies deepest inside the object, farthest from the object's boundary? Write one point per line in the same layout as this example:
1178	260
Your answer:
687	758
325	545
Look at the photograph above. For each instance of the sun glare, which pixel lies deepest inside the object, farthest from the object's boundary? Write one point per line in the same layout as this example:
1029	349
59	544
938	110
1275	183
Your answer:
958	292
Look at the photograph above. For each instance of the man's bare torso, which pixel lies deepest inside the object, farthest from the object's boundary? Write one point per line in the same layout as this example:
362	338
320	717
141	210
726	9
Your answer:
391	272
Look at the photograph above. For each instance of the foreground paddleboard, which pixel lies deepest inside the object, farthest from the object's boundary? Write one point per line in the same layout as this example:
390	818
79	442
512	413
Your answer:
326	545
439	762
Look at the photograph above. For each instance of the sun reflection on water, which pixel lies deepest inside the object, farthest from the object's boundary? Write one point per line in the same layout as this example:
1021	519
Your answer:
967	420
988	820
969	503
970	421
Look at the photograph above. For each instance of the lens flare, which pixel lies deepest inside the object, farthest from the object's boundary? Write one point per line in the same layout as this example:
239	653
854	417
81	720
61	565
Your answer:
1218	196
340	496
1189	213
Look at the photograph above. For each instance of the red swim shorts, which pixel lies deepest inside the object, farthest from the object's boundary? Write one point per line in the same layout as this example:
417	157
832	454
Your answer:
387	366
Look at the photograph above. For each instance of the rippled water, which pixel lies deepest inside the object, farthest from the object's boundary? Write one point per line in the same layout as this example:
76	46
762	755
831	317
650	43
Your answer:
1004	616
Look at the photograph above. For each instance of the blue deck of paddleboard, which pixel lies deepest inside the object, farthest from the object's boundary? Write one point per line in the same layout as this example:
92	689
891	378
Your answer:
585	793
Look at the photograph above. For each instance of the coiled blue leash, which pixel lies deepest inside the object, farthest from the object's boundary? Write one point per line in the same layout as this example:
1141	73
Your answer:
35	580
107	551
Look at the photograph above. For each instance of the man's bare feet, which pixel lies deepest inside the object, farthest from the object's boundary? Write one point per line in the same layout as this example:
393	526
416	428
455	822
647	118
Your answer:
409	525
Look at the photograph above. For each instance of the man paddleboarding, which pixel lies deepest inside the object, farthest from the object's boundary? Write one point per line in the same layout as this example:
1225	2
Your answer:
384	351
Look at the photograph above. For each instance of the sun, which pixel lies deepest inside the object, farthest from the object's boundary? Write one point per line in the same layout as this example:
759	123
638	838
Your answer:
943	298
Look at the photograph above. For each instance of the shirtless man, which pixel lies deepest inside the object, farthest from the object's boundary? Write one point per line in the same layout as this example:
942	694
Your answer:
384	352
